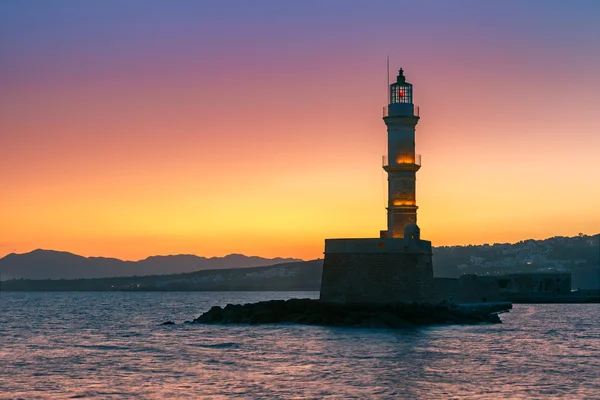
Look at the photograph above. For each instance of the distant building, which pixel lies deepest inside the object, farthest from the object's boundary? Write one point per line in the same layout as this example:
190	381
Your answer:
533	284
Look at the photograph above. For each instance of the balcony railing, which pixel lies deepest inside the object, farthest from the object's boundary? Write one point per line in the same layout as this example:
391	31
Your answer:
403	160
386	111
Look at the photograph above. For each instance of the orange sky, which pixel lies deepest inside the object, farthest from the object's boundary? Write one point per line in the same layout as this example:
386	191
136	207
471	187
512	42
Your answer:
142	141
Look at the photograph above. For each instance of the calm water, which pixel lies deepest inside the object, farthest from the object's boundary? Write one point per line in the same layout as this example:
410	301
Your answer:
109	345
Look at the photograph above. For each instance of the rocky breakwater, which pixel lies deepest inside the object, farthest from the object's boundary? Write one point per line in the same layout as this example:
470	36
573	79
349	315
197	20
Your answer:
316	312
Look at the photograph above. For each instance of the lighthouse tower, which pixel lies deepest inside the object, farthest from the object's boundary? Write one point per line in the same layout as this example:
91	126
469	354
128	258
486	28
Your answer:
396	266
401	163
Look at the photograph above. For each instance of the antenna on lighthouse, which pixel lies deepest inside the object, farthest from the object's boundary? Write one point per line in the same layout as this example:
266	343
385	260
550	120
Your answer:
387	75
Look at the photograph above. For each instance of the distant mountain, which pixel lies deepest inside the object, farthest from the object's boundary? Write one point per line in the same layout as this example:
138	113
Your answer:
579	254
304	276
49	264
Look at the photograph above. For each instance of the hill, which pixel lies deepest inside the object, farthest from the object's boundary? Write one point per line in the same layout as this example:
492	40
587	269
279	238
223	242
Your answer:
304	275
577	254
49	264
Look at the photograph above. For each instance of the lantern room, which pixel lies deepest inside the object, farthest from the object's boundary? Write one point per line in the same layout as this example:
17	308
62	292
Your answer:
401	91
401	99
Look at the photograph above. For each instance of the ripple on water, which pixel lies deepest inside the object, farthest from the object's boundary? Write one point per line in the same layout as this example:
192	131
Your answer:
226	345
108	345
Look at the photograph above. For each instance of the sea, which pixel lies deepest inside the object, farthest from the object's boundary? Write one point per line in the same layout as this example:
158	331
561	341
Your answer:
111	345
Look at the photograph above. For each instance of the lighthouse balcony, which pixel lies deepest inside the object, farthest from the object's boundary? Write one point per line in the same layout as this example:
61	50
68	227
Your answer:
402	160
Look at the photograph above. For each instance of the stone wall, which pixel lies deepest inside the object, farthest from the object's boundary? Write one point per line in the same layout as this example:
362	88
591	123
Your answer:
557	283
466	289
377	270
533	285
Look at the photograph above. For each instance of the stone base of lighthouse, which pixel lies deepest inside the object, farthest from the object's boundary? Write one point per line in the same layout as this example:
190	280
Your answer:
383	270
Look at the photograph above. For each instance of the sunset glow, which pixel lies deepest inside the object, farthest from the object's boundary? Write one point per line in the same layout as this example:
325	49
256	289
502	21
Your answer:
188	127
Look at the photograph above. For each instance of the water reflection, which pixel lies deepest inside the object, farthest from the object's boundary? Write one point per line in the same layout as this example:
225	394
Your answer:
110	345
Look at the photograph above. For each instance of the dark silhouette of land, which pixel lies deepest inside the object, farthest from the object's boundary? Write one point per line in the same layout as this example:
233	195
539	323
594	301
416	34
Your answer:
49	264
300	276
49	270
366	315
578	254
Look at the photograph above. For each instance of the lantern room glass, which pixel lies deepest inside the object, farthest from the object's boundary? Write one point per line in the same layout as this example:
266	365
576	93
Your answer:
401	93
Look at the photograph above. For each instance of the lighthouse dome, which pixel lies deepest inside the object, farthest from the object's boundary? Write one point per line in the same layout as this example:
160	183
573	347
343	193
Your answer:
412	231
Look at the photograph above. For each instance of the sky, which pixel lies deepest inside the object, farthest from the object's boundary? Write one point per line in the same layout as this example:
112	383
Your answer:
136	128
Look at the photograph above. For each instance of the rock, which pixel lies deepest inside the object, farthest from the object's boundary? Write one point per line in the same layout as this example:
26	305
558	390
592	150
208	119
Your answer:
168	323
316	312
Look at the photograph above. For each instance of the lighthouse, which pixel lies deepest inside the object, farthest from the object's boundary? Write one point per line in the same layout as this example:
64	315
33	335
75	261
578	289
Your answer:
401	163
397	265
